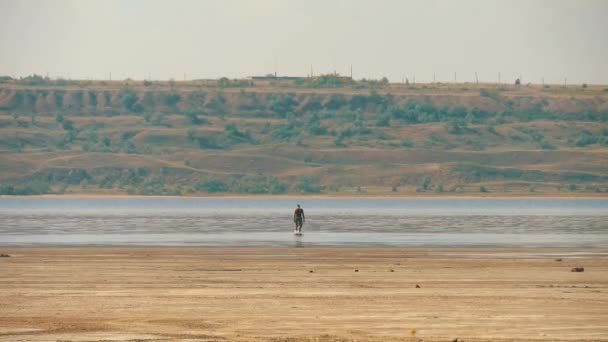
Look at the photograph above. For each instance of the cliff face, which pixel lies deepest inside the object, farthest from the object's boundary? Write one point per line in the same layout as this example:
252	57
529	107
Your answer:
192	139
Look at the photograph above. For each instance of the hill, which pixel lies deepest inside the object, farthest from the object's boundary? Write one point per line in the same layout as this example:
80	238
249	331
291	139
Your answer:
321	135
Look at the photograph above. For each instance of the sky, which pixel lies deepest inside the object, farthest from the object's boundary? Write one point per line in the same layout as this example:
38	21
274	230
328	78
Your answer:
421	40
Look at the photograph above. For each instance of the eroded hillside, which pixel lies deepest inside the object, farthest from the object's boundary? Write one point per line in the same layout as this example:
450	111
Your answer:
197	138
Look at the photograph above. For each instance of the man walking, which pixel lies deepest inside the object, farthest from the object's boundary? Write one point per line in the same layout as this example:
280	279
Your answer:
299	219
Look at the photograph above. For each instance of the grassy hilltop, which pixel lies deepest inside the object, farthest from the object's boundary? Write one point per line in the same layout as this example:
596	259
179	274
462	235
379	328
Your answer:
323	135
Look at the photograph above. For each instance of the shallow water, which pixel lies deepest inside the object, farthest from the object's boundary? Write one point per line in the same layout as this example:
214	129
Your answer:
340	223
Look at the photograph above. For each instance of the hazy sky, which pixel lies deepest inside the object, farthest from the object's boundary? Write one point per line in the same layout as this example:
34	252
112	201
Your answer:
553	39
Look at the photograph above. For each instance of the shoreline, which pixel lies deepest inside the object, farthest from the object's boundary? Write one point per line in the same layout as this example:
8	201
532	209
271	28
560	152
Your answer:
587	250
371	250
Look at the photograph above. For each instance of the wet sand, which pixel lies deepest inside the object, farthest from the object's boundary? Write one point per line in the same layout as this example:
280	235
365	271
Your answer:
278	294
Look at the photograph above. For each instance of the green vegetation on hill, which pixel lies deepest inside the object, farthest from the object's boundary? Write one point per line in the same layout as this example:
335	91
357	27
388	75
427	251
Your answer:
322	135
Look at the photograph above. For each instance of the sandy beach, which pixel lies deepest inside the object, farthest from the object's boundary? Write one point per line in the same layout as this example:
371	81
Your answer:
278	294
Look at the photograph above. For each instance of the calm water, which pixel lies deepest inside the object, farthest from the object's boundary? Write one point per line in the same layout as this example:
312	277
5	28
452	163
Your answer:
252	222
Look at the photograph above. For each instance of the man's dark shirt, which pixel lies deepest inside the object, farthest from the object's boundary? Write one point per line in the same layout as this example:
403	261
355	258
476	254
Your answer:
299	212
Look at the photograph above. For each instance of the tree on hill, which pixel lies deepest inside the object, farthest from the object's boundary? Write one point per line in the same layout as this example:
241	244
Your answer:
172	99
35	80
234	132
314	125
67	125
282	105
213	186
307	185
130	101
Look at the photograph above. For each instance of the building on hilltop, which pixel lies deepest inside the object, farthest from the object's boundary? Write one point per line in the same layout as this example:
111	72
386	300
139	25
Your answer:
323	78
274	77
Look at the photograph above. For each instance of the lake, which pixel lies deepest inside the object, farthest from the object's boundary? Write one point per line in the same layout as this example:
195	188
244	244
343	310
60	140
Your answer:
229	222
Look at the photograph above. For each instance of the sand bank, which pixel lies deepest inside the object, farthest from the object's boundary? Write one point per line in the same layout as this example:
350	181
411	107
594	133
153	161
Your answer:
249	294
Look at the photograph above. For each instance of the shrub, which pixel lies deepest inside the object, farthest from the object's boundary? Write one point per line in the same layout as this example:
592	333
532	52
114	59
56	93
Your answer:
314	126
491	129
335	102
35	80
545	145
407	143
307	185
67	125
286	132
259	185
130	101
58	97
194	119
23	124
587	138
457	127
426	184
383	121
172	99
36	187
282	104
128	135
234	132
211	142
30	98
130	147
516	137
92	98
77	97
7	189
212	186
